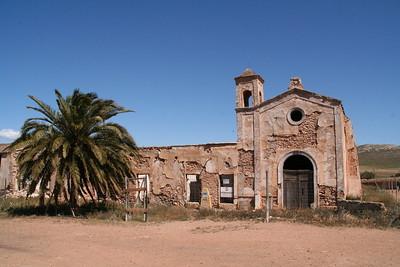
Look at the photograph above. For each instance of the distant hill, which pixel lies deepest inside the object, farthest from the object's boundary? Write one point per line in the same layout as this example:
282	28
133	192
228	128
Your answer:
379	157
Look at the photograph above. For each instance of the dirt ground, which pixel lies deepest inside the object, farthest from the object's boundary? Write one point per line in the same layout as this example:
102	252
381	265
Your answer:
68	242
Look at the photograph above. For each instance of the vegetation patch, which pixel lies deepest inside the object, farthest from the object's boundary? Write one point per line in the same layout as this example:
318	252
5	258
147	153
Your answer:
372	194
368	175
109	210
114	211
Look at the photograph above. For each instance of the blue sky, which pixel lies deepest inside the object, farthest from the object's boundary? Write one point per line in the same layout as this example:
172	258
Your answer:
173	62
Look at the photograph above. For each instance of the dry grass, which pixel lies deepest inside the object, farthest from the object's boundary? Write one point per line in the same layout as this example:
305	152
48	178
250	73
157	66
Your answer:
327	217
112	211
371	193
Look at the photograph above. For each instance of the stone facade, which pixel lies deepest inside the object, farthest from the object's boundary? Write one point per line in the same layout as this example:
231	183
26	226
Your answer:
300	142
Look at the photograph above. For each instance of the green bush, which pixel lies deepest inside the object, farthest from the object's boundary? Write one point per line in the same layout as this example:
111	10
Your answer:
352	197
367	175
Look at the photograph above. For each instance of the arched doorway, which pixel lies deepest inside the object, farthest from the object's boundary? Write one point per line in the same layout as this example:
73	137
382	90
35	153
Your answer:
298	182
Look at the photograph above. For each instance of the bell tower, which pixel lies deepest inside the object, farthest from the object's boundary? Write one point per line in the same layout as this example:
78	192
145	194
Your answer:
249	96
249	89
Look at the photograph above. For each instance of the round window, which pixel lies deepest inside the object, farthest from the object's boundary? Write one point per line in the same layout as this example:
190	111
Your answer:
296	116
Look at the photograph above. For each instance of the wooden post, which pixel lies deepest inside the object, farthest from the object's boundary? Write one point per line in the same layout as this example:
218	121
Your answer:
267	204
126	199
397	194
397	189
145	199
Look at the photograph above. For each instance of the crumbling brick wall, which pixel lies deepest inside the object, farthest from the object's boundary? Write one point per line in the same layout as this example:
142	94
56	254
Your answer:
193	167
327	196
245	180
168	195
306	137
210	181
167	168
246	162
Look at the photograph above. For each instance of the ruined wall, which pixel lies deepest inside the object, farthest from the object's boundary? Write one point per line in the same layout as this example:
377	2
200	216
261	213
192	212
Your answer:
167	168
327	196
8	170
353	180
245	179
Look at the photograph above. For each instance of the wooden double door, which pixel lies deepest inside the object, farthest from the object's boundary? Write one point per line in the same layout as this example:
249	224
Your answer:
298	189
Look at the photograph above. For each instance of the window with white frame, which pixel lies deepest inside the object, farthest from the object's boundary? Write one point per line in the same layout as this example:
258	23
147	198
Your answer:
226	188
143	181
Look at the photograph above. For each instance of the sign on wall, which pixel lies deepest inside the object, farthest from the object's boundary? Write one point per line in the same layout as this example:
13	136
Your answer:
226	188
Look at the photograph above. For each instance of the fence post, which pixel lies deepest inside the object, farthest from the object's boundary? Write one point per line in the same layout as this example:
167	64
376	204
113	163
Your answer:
267	200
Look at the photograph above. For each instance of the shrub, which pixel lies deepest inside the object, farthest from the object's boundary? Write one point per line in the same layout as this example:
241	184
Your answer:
352	197
367	175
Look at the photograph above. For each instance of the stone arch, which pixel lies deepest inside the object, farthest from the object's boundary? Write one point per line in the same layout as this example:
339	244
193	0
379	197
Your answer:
281	191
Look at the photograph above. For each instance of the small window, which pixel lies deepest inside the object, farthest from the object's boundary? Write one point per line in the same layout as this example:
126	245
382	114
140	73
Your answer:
296	116
248	99
193	188
226	188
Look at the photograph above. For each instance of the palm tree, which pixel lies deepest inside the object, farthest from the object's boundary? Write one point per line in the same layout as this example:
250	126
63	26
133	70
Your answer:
75	151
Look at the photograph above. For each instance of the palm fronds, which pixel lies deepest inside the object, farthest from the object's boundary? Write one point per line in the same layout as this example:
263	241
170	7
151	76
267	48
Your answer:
74	150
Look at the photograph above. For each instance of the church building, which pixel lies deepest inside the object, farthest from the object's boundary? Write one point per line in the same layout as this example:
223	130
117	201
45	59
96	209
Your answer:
299	143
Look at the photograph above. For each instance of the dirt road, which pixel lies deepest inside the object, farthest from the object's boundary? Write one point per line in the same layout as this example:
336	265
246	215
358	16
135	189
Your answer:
67	242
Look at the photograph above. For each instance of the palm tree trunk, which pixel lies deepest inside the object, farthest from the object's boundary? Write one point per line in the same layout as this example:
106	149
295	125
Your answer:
91	195
49	202
73	200
69	201
41	200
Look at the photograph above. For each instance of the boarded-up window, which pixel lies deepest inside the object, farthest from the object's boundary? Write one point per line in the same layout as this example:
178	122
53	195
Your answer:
193	188
226	188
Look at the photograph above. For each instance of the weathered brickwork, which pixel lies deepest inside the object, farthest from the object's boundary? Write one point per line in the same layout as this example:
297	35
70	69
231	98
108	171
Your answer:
305	138
210	181
142	163
246	162
169	195
193	167
327	196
